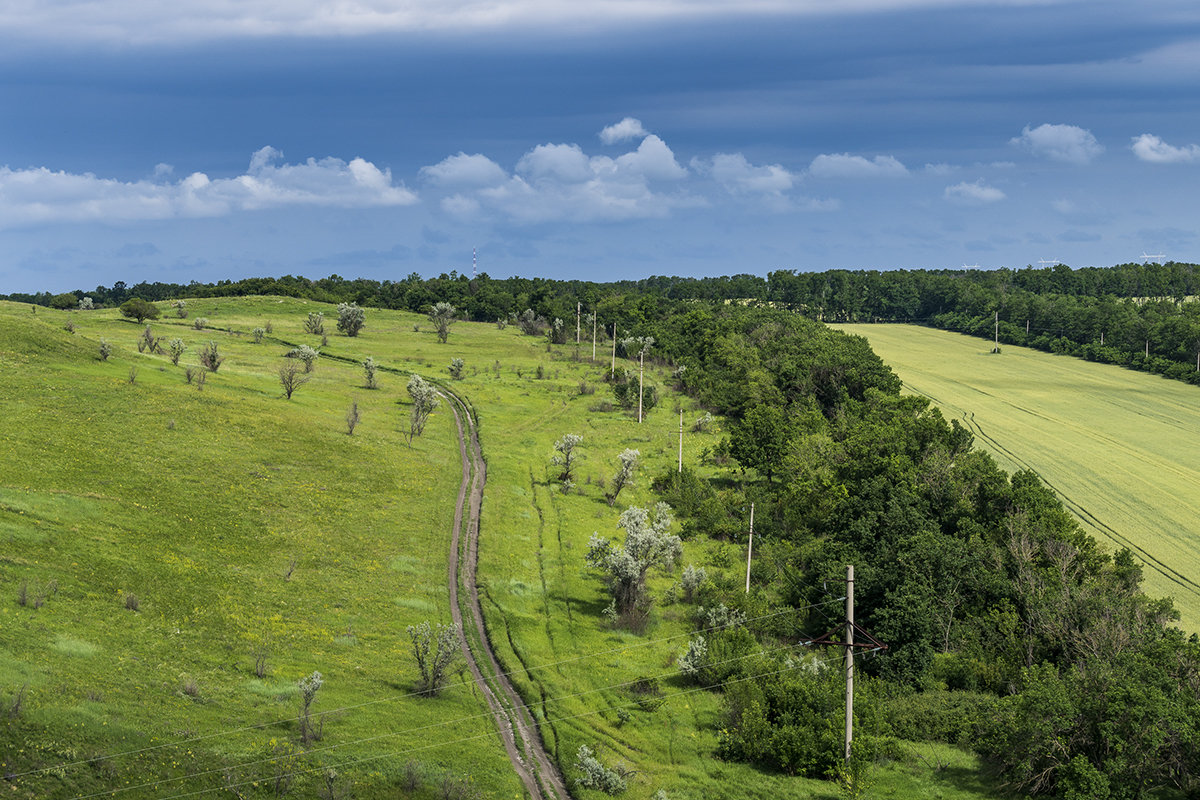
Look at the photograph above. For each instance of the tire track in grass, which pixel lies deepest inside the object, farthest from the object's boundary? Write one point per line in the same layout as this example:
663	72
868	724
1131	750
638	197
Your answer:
518	731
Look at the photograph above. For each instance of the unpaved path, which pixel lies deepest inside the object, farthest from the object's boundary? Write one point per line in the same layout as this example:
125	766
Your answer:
522	741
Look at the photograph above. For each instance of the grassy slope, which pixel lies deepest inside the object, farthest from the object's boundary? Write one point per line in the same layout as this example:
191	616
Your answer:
1117	445
198	501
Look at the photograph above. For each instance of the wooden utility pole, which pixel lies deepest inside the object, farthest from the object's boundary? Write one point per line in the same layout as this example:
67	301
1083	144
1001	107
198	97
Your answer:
593	336
997	332
1026	327
849	658
750	549
612	372
578	309
1147	348
641	371
681	431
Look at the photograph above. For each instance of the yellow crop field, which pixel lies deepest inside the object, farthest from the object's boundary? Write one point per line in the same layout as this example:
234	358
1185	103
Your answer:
1118	446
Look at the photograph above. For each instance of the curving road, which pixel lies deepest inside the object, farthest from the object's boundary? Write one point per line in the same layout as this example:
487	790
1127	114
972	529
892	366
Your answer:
522	740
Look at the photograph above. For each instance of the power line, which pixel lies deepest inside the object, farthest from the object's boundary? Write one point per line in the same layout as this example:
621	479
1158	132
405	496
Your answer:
229	731
432	726
464	740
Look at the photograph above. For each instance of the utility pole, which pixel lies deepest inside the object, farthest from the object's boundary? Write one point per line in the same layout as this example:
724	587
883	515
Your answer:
593	336
1147	348
578	308
1026	327
681	428
750	549
997	332
612	372
641	371
849	658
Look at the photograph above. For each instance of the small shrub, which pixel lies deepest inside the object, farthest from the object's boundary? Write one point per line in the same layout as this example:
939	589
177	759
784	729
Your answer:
586	388
501	323
148	341
307	355
191	688
442	315
703	423
370	368
189	373
435	653
105	350
268	327
309	686
315	323
86	304
352	418
69	327
131	601
201	377
12	708
692	661
411	780
180	307
210	358
456	368
257	335
350	318
597	776
541	372
691	580
291	378
200	323
133	374
175	349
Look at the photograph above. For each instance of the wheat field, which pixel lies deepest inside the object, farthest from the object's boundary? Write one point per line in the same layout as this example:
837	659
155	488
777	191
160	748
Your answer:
1118	446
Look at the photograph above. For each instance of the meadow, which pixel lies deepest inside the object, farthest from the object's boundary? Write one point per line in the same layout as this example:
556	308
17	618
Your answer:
163	541
1116	445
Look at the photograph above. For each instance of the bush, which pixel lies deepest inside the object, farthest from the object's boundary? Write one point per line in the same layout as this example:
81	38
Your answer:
291	378
435	653
139	309
63	301
175	349
257	335
596	775
456	368
309	686
86	304
210	358
200	323
306	355
442	315
350	318
180	307
105	350
370	368
693	577
315	323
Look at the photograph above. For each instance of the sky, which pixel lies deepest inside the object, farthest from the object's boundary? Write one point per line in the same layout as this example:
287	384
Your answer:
595	139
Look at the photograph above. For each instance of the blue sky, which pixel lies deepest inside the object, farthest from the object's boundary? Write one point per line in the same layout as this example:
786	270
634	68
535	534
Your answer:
207	140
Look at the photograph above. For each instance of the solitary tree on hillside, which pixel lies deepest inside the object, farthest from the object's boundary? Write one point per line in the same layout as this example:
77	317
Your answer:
350	318
628	463
442	315
139	309
425	400
565	457
291	378
647	544
435	653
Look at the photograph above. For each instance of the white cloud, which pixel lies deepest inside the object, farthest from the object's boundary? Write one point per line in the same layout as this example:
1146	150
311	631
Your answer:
940	170
1149	147
37	195
464	170
739	176
560	182
844	165
977	193
623	131
1067	143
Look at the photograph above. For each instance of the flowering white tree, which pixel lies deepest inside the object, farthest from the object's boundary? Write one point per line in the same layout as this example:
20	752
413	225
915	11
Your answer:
647	544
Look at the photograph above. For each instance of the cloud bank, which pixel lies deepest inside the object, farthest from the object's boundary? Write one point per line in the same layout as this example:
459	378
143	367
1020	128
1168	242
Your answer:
40	195
973	194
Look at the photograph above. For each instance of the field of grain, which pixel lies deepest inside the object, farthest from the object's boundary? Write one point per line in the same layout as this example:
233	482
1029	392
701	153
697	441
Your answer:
1118	446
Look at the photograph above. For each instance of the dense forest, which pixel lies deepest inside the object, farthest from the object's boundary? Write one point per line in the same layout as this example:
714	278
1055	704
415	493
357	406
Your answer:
1008	629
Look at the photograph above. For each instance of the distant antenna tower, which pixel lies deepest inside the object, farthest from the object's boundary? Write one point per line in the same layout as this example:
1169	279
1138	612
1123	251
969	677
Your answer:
474	265
1157	257
1052	262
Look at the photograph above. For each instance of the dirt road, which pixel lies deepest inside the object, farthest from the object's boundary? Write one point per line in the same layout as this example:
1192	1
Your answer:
522	740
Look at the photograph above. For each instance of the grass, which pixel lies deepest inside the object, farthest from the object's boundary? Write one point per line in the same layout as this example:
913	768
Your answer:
1115	444
244	524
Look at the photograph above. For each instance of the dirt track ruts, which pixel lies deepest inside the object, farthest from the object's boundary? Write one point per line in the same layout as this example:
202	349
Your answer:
536	768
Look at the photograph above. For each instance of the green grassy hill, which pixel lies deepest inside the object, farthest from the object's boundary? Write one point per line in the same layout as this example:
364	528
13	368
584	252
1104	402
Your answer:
162	542
1115	444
